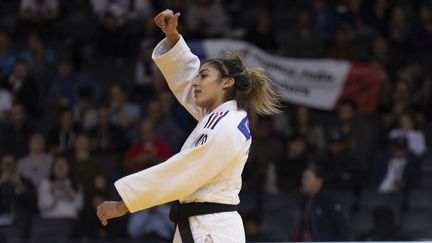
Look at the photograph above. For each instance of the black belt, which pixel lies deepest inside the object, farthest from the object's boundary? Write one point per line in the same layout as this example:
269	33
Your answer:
180	214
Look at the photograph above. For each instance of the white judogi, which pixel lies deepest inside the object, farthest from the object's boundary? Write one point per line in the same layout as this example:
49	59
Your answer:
208	168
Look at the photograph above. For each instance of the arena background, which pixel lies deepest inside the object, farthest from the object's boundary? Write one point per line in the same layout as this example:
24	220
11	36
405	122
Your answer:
77	83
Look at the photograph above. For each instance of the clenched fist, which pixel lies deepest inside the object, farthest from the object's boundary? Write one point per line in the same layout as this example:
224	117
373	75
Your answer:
167	21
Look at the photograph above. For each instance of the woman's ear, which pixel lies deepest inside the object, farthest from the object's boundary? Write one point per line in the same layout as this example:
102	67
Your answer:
228	82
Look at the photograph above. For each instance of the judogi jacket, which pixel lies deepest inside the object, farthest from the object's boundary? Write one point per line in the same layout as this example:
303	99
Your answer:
208	168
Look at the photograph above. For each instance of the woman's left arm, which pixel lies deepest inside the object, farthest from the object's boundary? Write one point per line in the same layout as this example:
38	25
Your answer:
185	172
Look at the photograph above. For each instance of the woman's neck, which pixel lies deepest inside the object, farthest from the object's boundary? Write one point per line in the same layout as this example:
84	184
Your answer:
214	106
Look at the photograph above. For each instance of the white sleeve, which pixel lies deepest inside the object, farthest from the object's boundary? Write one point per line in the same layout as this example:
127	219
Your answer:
179	66
182	174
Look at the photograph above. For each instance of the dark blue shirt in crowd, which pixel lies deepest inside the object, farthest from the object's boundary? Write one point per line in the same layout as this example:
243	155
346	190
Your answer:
323	219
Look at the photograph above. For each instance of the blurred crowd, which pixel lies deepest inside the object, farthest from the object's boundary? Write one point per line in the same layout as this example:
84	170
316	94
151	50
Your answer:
66	134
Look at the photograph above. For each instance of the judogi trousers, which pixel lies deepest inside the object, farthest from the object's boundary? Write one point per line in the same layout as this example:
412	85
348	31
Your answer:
226	227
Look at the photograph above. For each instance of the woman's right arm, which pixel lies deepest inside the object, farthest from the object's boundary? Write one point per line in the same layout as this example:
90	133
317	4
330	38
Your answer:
176	62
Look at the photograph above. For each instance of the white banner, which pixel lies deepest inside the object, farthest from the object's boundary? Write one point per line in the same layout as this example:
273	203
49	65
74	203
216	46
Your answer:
310	82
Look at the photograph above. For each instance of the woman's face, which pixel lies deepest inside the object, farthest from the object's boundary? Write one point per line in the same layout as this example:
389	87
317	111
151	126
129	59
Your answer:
209	88
61	168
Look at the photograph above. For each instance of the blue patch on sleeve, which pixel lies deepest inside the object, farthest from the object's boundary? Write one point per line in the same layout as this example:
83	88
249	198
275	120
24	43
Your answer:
243	126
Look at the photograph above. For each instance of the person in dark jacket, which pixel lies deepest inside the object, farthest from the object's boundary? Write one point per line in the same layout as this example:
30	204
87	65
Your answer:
24	89
323	217
18	198
396	170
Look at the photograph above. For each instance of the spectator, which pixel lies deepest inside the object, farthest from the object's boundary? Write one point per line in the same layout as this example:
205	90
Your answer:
118	8
400	103
167	129
90	175
156	85
360	134
322	218
84	113
59	195
18	201
380	55
39	11
363	35
148	152
145	67
85	169
402	93
343	47
399	30
7	55
154	220
416	138
266	149
379	15
421	38
107	137
16	133
171	109
23	88
351	11
303	123
396	170
342	168
305	41
262	33
324	18
41	58
353	14
66	85
138	14
207	19
87	225
139	9
36	164
296	158
37	15
123	113
111	37
61	139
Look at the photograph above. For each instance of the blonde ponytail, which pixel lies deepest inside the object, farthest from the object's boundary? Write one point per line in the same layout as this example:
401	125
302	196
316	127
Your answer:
264	99
252	89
